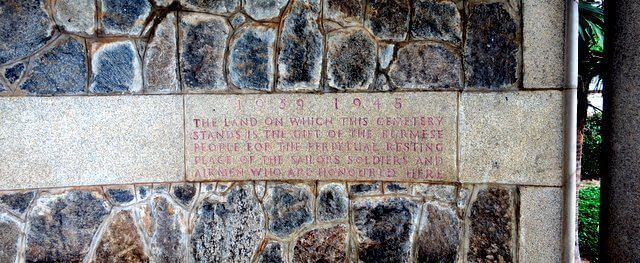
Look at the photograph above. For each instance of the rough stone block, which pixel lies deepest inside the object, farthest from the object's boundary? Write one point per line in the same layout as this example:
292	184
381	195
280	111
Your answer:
164	224
328	244
76	16
492	47
272	253
251	58
351	61
345	12
90	141
10	234
436	20
288	207
301	49
212	6
512	137
543	43
426	66
203	40
14	72
332	202
161	59
439	234
388	19
115	67
25	28
541	228
60	70
264	9
124	17
121	242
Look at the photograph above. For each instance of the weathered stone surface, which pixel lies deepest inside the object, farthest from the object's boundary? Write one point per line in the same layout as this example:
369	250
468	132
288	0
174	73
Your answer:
115	67
509	137
345	12
10	233
351	60
436	20
3	87
543	43
212	6
124	17
362	189
491	228
14	72
143	191
426	66
272	253
288	208
436	192
491	47
321	245
47	74
400	188
121	242
381	83
264	9
121	195
184	193
540	224
100	140
161	58
333	202
251	58
76	16
228	228
388	19
384	228
17	202
385	55
438	236
165	224
237	20
62	226
203	40
24	28
301	47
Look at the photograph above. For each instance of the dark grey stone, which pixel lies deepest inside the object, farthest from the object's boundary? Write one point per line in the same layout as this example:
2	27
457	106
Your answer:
396	188
13	73
301	47
351	59
238	19
184	193
121	196
251	58
10	234
62	226
124	17
288	208
492	218
228	229
333	202
47	76
491	48
143	191
436	20
212	6
438	235
346	12
359	189
264	9
272	253
203	40
17	202
321	245
384	228
426	66
163	224
388	19
24	28
381	83
116	68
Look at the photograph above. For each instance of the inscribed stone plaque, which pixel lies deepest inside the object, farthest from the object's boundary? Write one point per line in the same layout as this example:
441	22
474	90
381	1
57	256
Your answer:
70	141
384	136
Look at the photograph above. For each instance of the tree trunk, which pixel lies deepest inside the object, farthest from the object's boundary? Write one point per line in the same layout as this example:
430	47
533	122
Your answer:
583	105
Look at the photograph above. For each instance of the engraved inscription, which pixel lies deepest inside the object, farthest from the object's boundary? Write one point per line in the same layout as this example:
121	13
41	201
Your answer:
392	136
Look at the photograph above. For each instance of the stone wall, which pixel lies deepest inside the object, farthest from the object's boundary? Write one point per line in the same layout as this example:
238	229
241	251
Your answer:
95	97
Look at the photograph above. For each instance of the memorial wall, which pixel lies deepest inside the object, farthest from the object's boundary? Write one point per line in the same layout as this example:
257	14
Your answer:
281	130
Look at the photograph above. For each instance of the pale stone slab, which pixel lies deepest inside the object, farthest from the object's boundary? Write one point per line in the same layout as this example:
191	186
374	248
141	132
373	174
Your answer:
511	137
400	136
543	53
69	141
540	224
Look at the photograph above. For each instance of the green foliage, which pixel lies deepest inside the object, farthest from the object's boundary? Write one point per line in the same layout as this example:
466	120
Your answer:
592	147
591	40
589	221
